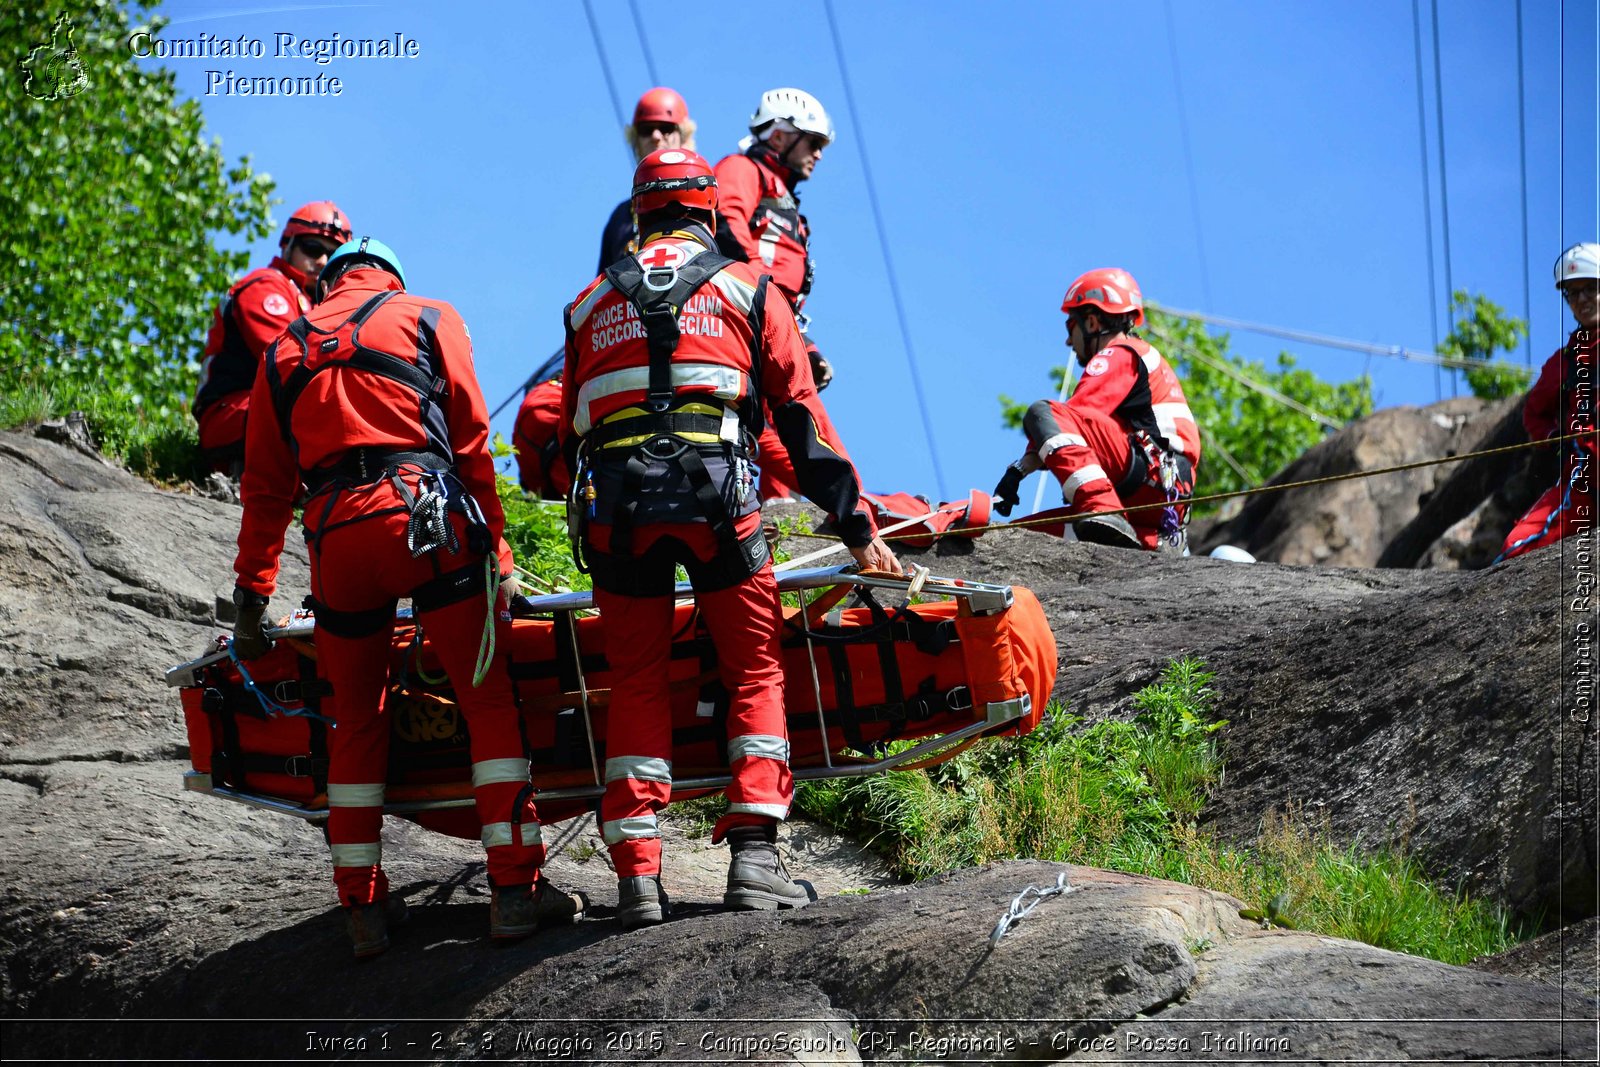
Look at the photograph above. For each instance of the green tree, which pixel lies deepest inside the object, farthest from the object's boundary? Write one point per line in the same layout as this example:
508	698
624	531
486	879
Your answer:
112	199
1247	435
1481	330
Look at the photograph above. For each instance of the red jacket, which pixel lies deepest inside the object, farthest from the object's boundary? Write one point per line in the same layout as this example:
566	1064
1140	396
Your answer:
343	407
761	220
1555	406
608	359
1131	382
258	308
536	436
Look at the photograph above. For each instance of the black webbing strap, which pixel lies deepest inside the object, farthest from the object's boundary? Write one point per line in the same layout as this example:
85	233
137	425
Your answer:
452	587
709	497
288	390
653	424
359	466
312	690
627	505
658	309
567	666
351	625
844	713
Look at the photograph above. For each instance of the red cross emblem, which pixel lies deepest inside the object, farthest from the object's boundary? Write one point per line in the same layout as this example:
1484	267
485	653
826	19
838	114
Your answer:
663	257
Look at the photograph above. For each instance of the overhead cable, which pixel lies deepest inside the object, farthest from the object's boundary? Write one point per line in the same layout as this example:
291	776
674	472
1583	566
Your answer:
1188	158
1522	145
644	42
1327	341
605	68
883	242
1427	194
1444	184
1249	382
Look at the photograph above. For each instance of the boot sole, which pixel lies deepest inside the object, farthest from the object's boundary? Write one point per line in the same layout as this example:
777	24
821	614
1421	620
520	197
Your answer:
634	918
1095	533
760	900
371	949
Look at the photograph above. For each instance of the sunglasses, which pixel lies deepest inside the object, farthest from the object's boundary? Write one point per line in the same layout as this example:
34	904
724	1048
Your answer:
645	129
314	249
1581	291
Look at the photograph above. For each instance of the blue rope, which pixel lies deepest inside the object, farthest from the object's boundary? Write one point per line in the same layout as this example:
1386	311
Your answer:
1566	499
270	706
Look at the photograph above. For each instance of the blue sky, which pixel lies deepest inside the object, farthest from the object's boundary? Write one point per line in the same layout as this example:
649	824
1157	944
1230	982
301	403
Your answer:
1012	147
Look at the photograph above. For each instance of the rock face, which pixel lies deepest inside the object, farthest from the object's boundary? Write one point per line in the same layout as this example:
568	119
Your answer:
1404	701
1353	523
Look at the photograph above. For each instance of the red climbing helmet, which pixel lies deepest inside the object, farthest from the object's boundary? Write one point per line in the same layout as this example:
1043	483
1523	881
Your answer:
1111	289
320	218
673	176
661	105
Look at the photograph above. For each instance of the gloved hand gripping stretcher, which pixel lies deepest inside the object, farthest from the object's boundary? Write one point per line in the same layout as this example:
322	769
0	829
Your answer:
978	661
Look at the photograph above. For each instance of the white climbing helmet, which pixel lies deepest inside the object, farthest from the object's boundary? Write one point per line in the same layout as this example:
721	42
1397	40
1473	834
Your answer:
1232	554
1582	260
790	109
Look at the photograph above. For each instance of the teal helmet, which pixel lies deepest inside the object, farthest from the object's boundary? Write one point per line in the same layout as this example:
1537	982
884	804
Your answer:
366	248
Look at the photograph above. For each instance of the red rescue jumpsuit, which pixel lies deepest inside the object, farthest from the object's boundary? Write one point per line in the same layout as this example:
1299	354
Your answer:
360	563
1095	443
1561	402
606	374
541	467
258	308
761	224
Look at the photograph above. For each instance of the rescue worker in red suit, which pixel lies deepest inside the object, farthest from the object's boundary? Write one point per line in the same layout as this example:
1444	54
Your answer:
541	468
1125	437
671	356
1562	402
660	120
255	312
370	402
759	223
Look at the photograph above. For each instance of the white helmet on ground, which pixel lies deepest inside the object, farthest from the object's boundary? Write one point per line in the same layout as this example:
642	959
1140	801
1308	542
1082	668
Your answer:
790	109
1580	261
1232	554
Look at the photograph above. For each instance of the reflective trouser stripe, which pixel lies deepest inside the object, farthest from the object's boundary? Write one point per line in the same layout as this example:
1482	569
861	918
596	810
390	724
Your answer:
776	811
616	831
1079	478
355	795
498	771
498	834
725	383
639	768
764	746
367	854
1060	440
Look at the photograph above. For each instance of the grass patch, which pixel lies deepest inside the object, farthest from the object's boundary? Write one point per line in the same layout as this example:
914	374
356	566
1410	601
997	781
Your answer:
1126	796
154	438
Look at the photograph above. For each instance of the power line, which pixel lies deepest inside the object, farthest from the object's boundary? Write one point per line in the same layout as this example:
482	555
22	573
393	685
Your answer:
605	69
1247	381
1444	185
1427	195
1188	159
644	42
883	242
1522	145
1326	340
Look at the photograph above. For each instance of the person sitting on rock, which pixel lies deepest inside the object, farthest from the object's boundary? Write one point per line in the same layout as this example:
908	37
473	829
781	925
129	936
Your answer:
256	311
389	440
1561	402
1125	437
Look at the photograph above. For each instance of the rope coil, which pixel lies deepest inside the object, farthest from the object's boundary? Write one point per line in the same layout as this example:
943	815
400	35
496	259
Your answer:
1024	902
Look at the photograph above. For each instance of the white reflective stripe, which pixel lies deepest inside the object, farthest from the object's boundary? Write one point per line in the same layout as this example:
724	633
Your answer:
1079	478
727	383
639	768
764	746
776	811
740	294
1152	359
356	795
1060	440
1167	418
367	854
633	828
497	771
498	834
580	312
732	428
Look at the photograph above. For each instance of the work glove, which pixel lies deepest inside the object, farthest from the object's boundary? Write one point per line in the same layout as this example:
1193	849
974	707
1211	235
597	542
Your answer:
250	640
821	370
1005	494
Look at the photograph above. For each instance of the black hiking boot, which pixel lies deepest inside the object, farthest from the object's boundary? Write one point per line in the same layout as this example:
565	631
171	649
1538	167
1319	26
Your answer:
1112	530
757	878
641	901
515	911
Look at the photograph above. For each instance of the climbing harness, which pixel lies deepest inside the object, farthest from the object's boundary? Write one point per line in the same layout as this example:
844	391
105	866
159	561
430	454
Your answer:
1025	902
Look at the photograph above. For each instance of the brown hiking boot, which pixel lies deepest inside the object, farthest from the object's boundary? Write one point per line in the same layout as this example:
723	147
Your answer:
515	911
1113	530
641	901
368	925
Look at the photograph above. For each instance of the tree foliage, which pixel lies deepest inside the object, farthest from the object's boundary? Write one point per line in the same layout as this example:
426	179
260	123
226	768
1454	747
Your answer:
1246	435
112	200
1481	330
